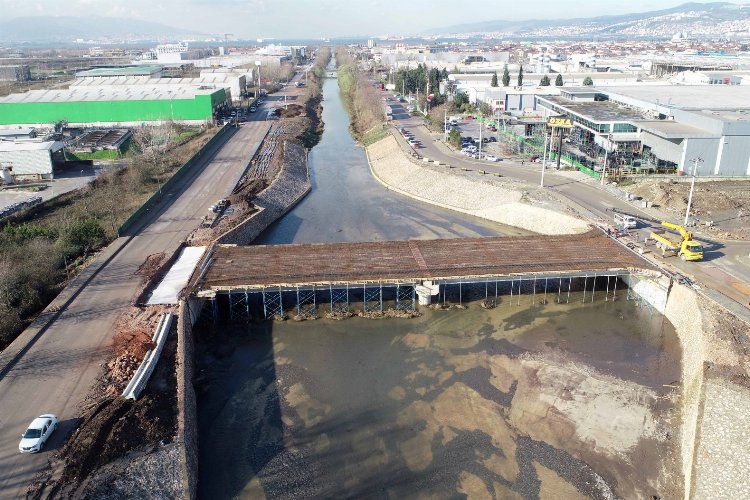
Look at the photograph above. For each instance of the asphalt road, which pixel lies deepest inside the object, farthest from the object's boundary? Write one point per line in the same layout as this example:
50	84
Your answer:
59	369
726	266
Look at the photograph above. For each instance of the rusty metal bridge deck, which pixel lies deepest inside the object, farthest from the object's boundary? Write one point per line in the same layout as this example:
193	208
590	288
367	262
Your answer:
255	267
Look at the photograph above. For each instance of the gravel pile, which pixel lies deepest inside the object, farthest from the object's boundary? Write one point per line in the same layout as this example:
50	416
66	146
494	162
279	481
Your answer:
491	199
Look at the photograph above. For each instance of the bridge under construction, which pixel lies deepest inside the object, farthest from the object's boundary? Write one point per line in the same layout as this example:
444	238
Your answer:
307	279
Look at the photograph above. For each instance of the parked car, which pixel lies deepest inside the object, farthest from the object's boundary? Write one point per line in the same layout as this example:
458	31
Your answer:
469	117
253	109
534	158
39	431
491	158
493	139
492	128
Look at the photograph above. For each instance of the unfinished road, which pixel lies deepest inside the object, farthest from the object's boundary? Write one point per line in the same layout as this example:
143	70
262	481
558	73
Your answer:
54	372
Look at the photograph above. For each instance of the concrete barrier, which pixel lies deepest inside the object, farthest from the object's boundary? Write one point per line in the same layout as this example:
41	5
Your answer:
143	373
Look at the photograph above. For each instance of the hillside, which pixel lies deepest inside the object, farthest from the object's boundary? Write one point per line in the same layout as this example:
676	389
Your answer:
68	29
697	19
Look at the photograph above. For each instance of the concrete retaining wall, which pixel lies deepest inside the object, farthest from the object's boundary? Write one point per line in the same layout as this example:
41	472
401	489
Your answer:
287	189
684	312
714	403
652	289
187	416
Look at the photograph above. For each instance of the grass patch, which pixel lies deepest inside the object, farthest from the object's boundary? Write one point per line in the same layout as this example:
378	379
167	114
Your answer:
102	154
187	134
373	136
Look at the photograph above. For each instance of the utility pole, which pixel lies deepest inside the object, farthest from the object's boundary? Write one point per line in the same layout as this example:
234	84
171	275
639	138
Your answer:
445	125
606	155
544	155
695	160
480	135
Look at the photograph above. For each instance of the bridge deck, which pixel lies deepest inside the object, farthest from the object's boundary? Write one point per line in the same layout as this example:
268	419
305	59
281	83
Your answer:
248	267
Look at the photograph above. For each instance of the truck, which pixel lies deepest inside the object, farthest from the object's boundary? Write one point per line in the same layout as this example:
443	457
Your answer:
686	247
625	221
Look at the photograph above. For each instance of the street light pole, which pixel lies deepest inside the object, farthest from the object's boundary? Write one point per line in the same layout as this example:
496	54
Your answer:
445	124
696	160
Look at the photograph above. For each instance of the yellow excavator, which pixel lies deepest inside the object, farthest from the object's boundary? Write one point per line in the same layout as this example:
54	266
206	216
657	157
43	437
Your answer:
687	248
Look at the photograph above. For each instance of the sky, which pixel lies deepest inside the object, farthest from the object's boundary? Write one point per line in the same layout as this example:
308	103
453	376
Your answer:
323	18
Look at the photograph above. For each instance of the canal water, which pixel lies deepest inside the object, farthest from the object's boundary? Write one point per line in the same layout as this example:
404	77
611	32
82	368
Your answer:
531	399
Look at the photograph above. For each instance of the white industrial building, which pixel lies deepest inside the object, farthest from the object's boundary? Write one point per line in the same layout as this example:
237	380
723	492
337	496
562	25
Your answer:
661	127
233	83
30	160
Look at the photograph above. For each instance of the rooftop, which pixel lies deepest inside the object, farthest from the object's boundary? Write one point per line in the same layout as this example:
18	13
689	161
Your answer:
12	146
695	97
122	81
596	111
119	71
75	94
670	129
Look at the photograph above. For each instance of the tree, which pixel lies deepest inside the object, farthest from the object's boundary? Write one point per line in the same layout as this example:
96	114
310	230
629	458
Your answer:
520	76
493	83
506	76
544	82
485	109
559	80
460	99
444	74
588	81
454	138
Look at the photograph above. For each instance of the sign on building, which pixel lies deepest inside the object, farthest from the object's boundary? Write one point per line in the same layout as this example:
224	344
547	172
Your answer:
556	121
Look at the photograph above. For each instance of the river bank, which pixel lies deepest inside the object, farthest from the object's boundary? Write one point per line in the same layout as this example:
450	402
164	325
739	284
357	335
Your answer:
496	200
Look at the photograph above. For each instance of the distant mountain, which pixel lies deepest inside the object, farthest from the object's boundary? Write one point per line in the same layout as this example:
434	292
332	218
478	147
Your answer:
699	19
66	29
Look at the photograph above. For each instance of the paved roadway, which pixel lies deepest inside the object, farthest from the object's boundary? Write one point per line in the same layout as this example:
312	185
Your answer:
55	374
727	264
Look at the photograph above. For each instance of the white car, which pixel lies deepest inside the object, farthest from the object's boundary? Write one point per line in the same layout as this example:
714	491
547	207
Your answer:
491	158
37	434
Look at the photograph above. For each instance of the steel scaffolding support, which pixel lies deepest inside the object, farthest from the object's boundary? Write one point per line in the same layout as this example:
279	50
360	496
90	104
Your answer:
306	305
239	305
406	298
374	297
272	303
339	300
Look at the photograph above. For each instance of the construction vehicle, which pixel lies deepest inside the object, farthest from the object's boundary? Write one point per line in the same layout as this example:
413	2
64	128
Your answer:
687	248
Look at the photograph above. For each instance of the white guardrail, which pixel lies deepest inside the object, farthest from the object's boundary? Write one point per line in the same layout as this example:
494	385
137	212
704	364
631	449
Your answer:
143	373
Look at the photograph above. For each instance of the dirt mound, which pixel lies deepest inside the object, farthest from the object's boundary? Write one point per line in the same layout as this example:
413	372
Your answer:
151	265
112	429
722	204
292	110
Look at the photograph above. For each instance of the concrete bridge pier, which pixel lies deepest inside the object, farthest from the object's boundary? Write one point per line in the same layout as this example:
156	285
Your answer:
425	291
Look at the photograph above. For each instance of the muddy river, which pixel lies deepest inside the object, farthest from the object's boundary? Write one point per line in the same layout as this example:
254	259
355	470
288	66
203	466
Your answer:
527	400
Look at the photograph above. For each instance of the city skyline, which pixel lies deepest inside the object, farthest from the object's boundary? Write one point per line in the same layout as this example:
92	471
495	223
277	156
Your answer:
312	19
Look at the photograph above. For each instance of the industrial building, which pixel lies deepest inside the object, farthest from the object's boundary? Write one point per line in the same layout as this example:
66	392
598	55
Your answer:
30	160
112	107
120	71
659	127
17	73
233	83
